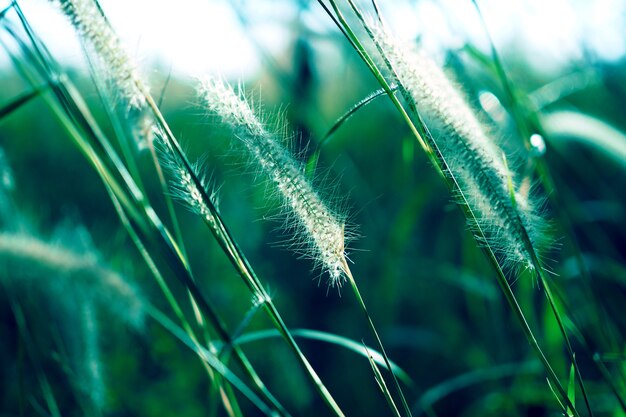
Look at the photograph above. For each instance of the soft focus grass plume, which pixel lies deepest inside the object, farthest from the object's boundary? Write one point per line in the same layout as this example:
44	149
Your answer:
317	227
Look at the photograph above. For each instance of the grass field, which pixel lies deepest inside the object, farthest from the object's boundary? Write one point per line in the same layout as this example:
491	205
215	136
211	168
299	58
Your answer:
275	244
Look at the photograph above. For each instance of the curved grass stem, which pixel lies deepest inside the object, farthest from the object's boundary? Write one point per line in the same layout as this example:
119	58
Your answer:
370	322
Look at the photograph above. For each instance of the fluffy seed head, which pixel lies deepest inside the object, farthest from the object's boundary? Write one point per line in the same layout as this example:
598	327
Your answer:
96	32
231	107
475	164
185	188
319	227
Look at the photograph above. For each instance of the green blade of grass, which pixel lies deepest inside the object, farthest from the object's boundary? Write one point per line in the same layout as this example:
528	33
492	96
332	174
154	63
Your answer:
29	345
382	384
449	386
333	339
313	159
210	359
18	102
230	401
571	388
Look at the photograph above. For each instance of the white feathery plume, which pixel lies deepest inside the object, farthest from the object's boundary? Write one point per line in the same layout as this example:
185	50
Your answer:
124	82
320	228
468	155
95	30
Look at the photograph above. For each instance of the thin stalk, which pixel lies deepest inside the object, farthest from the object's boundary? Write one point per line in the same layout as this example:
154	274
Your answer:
525	127
229	246
568	345
73	112
19	101
230	400
209	358
608	377
378	376
359	298
120	134
48	394
583	339
521	122
312	161
123	140
360	49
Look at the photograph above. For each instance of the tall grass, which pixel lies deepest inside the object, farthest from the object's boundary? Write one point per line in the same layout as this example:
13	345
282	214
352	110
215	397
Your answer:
201	312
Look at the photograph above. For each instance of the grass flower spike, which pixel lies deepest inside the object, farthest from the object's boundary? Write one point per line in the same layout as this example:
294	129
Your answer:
95	31
467	155
112	63
183	185
320	228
